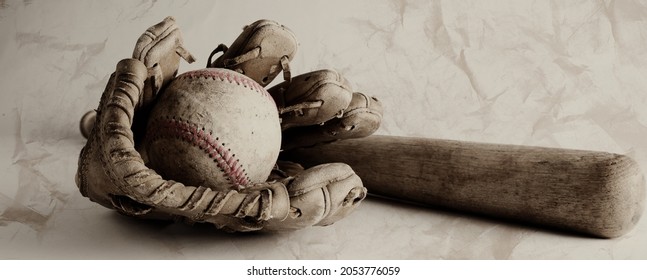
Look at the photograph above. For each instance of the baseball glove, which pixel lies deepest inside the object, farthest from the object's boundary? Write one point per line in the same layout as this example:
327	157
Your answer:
113	170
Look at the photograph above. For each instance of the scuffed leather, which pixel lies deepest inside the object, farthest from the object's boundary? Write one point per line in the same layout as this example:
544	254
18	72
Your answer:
362	118
258	51
320	195
113	168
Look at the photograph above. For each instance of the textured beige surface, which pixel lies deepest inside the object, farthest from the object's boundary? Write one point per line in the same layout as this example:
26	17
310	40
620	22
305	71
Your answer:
557	74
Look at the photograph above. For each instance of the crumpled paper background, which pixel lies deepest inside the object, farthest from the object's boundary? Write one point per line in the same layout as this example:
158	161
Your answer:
565	74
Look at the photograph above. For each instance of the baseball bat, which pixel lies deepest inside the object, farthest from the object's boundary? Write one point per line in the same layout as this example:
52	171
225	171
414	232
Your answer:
595	193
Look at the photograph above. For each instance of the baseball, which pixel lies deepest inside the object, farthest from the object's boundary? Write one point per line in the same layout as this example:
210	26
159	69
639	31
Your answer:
214	128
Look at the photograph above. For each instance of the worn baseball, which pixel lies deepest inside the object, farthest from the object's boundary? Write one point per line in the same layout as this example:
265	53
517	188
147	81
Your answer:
214	128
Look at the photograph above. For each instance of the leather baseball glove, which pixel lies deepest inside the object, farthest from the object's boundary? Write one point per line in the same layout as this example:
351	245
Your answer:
315	108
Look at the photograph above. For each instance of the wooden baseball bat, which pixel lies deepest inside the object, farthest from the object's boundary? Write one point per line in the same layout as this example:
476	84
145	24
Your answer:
596	193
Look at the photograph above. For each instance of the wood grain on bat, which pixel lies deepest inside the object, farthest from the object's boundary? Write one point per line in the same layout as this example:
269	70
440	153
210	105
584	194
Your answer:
596	193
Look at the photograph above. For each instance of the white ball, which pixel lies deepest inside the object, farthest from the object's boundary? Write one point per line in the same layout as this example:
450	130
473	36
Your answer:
214	128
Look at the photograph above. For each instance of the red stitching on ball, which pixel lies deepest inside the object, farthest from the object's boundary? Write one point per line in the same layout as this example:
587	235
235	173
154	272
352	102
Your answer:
229	76
172	128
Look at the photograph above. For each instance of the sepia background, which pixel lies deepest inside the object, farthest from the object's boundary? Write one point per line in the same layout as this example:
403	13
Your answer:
567	74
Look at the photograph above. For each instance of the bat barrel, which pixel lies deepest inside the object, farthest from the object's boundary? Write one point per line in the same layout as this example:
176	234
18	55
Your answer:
596	193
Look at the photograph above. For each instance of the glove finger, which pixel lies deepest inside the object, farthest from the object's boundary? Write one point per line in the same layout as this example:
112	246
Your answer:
261	51
158	41
321	195
160	48
362	118
311	98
